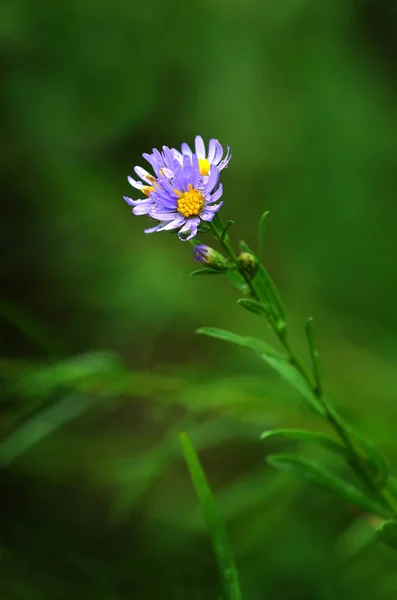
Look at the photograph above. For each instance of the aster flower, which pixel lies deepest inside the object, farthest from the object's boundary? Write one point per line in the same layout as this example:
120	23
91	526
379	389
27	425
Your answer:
181	199
214	156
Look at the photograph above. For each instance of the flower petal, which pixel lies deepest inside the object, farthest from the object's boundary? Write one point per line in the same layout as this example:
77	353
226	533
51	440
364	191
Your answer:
211	150
169	159
160	215
180	220
141	210
218	153
152	160
223	164
216	195
152	229
166	187
136	184
142	201
211	181
189	228
144	175
177	155
186	150
209	212
196	171
199	145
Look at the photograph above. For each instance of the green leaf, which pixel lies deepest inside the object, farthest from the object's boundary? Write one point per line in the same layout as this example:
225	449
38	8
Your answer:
266	286
35	429
220	541
387	533
208	271
319	439
392	484
237	280
313	354
265	282
374	456
319	475
224	232
276	360
243	247
41	380
262	225
255	344
253	306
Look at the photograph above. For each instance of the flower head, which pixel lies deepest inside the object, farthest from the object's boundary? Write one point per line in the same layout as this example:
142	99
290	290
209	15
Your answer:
206	160
180	197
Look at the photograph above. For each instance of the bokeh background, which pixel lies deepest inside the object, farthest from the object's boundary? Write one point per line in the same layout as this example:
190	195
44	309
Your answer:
101	368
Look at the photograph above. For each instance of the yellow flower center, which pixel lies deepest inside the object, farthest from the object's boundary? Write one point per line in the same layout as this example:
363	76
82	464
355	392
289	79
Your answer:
190	203
204	165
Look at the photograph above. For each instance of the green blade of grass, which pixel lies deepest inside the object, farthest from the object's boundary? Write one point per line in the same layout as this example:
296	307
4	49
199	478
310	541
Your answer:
220	541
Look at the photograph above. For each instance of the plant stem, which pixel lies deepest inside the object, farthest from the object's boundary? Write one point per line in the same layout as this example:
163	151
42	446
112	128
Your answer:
330	413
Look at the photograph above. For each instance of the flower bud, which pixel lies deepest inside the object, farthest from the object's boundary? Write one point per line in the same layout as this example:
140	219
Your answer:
210	257
248	263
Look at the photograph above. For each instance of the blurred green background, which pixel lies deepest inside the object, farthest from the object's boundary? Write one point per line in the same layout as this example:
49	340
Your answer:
101	368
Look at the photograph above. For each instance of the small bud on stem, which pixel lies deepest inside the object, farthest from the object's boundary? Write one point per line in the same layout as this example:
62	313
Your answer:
248	263
210	257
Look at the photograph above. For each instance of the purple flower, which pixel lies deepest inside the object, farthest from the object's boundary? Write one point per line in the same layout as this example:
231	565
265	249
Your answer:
184	189
214	156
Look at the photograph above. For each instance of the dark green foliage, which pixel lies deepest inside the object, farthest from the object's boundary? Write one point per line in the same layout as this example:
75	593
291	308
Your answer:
100	368
387	532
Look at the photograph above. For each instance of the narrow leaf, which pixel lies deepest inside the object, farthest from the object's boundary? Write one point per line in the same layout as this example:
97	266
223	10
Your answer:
374	456
266	285
224	232
313	354
263	279
323	477
237	280
319	439
243	247
41	380
387	533
392	484
35	429
262	226
253	306
255	344
220	541
207	271
276	360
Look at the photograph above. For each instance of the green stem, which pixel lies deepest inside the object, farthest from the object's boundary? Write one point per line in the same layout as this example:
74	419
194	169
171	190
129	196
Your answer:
329	412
